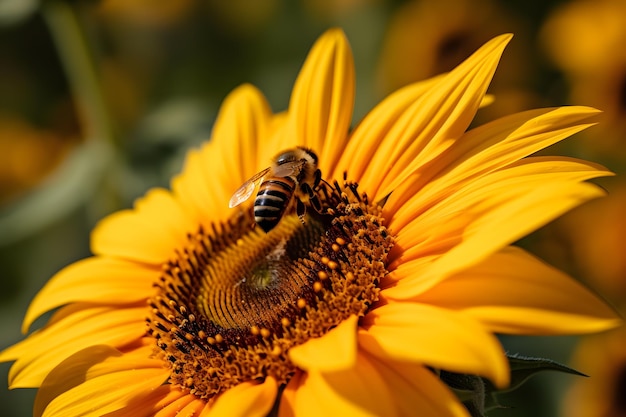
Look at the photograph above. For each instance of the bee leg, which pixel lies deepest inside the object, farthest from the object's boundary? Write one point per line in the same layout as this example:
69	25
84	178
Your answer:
317	178
314	201
317	184
300	210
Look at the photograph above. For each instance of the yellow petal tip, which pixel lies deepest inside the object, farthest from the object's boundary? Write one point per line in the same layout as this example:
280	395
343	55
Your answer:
336	350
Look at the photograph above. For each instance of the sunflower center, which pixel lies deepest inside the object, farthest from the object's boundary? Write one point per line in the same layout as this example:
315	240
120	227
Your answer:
230	305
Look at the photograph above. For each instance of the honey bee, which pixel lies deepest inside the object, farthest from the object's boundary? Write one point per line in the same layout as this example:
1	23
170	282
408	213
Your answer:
293	173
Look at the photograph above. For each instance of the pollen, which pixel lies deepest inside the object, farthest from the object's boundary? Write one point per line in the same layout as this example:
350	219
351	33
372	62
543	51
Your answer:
232	302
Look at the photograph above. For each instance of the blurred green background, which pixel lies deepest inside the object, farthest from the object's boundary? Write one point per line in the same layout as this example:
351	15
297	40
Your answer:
99	100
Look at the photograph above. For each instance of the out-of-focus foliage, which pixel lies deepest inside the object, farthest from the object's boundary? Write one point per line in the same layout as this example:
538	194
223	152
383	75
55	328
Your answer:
99	99
14	11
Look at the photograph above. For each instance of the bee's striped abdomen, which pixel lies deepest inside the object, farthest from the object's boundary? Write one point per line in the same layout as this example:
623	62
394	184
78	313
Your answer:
272	200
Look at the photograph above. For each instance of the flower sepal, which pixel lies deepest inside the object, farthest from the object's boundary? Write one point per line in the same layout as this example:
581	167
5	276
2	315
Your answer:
480	396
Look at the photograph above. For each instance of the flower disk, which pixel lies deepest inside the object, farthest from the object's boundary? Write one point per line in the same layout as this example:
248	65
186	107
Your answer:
235	300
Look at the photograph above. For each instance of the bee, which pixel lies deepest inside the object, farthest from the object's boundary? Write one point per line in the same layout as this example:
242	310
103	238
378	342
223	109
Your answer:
293	175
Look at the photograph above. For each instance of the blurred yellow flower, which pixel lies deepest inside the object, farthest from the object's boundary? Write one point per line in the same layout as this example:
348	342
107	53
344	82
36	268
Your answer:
604	393
406	268
333	9
27	155
426	38
597	235
586	40
147	12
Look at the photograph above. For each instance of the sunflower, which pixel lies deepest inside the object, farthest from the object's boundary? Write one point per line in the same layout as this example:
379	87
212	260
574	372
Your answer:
403	269
428	38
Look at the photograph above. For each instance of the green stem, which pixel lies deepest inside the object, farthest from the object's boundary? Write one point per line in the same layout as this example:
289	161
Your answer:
80	68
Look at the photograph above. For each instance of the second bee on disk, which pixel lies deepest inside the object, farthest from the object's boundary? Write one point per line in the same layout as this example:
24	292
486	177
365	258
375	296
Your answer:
293	175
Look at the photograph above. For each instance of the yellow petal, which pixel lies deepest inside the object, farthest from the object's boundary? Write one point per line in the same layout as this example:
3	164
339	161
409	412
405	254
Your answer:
175	407
487	148
416	221
493	221
287	407
246	400
357	392
70	330
514	292
91	363
371	131
70	373
333	351
434	337
150	233
320	110
195	407
96	279
199	190
212	173
240	130
431	124
163	401
108	390
417	390
187	405
367	136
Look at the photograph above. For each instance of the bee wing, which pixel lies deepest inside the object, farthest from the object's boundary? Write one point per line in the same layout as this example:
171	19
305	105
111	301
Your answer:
289	168
245	191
